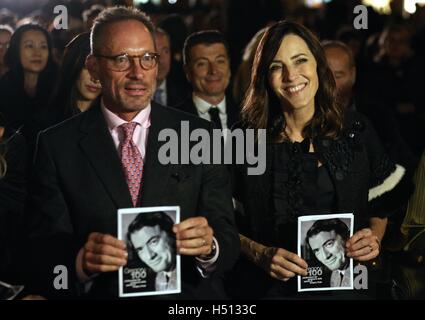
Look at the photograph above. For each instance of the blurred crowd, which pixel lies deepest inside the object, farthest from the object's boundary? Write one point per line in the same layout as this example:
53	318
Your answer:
44	80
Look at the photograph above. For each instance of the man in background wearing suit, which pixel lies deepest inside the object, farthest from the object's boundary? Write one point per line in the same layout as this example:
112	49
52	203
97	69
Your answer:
88	167
168	93
207	67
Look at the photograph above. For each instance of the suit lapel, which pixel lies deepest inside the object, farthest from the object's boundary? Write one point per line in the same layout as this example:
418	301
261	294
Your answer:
155	175
189	107
97	144
232	113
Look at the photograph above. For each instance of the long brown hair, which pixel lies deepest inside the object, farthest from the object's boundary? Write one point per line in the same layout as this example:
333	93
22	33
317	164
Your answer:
3	166
73	61
3	163
261	107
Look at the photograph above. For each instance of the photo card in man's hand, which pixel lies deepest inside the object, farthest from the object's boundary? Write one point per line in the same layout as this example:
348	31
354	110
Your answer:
153	266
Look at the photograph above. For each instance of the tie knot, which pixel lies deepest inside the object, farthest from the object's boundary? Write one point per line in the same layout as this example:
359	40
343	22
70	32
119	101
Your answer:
128	130
213	110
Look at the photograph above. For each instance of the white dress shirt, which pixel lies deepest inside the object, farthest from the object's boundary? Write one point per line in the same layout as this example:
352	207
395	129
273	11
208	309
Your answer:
202	107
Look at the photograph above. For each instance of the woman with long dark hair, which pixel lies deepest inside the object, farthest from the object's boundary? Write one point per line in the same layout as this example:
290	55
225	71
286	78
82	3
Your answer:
26	87
75	90
319	160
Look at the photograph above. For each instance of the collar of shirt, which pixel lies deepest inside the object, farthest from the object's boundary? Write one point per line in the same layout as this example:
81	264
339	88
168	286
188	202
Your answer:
166	280
140	133
113	121
202	106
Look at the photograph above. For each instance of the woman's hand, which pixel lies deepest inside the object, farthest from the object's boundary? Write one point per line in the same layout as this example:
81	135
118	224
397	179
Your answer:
364	245
282	264
278	263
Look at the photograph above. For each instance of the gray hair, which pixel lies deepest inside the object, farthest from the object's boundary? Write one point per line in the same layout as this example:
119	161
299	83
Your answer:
113	15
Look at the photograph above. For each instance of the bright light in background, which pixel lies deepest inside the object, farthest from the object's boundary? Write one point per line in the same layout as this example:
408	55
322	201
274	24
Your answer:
172	1
409	5
315	3
155	2
382	6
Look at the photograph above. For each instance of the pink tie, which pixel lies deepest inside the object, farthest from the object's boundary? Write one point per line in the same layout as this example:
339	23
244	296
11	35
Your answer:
132	161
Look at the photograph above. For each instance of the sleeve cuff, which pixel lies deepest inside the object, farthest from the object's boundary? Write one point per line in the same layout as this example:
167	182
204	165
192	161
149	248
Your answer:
207	266
81	275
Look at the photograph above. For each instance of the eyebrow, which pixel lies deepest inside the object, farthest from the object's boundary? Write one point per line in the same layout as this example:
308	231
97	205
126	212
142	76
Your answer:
298	55
293	57
30	40
205	58
324	243
147	242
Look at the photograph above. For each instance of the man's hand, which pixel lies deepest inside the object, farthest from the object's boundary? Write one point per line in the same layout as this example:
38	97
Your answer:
282	264
363	245
194	237
103	253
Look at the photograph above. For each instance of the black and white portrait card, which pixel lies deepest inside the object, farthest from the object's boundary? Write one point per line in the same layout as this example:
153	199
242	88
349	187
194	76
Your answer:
321	243
153	266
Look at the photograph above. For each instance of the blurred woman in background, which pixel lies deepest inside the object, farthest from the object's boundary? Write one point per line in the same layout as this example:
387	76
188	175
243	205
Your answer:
26	87
75	90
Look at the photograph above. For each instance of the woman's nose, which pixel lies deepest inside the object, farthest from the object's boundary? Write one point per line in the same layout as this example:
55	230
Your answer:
37	50
290	74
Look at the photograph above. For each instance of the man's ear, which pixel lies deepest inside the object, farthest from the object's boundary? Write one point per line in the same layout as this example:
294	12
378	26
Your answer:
92	66
186	69
353	75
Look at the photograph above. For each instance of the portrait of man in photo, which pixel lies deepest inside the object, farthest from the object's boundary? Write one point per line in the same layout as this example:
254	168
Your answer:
153	242
326	241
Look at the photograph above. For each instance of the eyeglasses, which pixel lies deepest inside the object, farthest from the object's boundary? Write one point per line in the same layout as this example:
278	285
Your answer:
123	62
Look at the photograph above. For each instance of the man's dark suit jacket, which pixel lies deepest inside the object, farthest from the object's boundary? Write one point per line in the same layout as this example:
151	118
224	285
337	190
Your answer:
176	93
78	185
231	109
12	198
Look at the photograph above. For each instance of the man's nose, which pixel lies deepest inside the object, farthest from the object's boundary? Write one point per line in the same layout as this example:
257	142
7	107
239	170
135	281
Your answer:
136	71
327	254
212	68
151	253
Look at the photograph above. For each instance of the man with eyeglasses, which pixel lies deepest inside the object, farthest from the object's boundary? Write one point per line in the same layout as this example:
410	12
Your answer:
5	35
107	158
168	92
